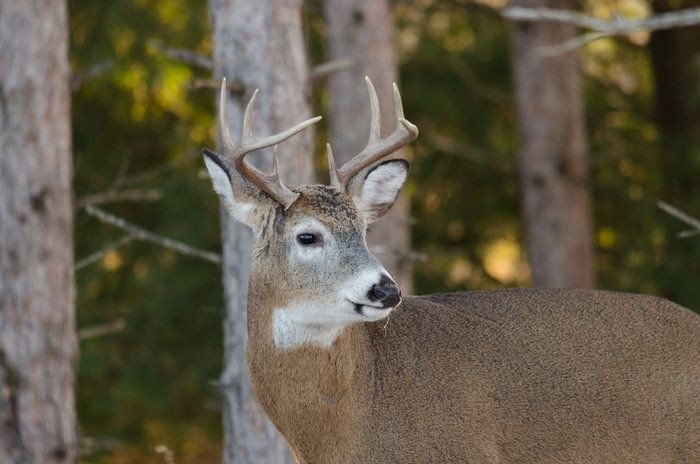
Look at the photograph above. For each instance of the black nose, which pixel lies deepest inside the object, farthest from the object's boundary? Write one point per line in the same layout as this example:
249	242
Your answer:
385	292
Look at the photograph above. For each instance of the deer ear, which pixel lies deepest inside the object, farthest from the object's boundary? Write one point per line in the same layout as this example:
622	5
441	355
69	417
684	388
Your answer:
375	191
220	172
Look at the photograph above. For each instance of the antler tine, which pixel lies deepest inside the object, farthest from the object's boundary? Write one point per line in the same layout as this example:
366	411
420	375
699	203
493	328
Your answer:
376	147
398	112
398	104
275	164
229	146
375	124
268	183
335	182
247	129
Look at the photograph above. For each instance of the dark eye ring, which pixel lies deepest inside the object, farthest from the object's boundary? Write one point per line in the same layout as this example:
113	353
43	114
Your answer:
307	238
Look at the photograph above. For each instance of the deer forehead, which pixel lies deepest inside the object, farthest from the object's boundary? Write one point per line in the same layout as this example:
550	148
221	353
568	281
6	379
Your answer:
330	206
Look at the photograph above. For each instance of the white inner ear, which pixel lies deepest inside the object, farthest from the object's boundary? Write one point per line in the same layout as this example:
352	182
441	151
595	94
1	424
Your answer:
222	186
380	189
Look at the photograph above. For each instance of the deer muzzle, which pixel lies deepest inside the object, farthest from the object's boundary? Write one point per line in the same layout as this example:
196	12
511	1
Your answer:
385	292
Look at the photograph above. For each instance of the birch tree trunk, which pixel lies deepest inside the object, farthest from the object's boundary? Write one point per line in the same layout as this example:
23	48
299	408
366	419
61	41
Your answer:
38	344
257	44
362	32
553	154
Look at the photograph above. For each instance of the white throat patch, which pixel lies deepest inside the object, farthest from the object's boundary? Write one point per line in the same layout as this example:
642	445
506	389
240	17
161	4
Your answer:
292	326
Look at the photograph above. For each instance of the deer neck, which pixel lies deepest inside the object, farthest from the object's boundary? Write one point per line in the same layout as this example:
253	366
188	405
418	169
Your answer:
311	389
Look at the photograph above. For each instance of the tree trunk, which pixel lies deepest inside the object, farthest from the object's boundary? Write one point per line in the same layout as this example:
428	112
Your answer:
553	154
38	343
257	44
673	59
674	56
363	32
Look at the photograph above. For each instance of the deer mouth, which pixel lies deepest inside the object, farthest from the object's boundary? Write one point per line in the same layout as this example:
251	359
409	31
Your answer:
372	313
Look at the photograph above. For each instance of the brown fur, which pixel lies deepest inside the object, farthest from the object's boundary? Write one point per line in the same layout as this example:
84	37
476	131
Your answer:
520	376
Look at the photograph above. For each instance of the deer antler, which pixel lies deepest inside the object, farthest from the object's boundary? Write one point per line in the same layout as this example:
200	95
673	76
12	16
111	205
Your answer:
268	183
376	147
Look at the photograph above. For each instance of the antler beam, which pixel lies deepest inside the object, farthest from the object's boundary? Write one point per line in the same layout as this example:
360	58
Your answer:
376	147
268	183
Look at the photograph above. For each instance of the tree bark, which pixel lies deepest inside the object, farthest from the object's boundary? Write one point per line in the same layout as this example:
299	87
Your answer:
363	32
38	343
257	44
553	159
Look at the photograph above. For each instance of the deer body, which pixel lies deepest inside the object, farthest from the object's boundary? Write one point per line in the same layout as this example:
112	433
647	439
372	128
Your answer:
520	376
349	375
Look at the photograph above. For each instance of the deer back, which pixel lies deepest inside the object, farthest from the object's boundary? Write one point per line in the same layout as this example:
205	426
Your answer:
539	375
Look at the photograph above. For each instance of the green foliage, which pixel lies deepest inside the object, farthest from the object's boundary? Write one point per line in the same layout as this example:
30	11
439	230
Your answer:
456	86
137	126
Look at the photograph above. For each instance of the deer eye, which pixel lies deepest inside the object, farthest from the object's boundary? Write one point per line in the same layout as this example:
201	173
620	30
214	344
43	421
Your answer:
307	238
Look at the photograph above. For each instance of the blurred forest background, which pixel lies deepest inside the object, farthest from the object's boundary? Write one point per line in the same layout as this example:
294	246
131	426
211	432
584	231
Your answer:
141	113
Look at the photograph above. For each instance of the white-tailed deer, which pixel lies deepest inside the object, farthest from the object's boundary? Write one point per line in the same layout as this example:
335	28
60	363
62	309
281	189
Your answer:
515	376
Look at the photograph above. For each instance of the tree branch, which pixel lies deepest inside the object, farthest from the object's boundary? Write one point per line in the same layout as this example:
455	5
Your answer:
77	79
215	84
182	54
114	196
601	28
323	70
121	172
680	215
147	236
157	171
618	25
103	329
89	446
98	255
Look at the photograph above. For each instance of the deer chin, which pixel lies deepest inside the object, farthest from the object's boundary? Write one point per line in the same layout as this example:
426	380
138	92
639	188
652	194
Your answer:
371	312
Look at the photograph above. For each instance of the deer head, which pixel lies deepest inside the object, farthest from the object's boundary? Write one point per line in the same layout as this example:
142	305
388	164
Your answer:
310	243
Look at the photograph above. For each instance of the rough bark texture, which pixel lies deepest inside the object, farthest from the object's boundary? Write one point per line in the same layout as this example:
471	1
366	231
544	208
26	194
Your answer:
363	32
38	344
257	44
553	154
